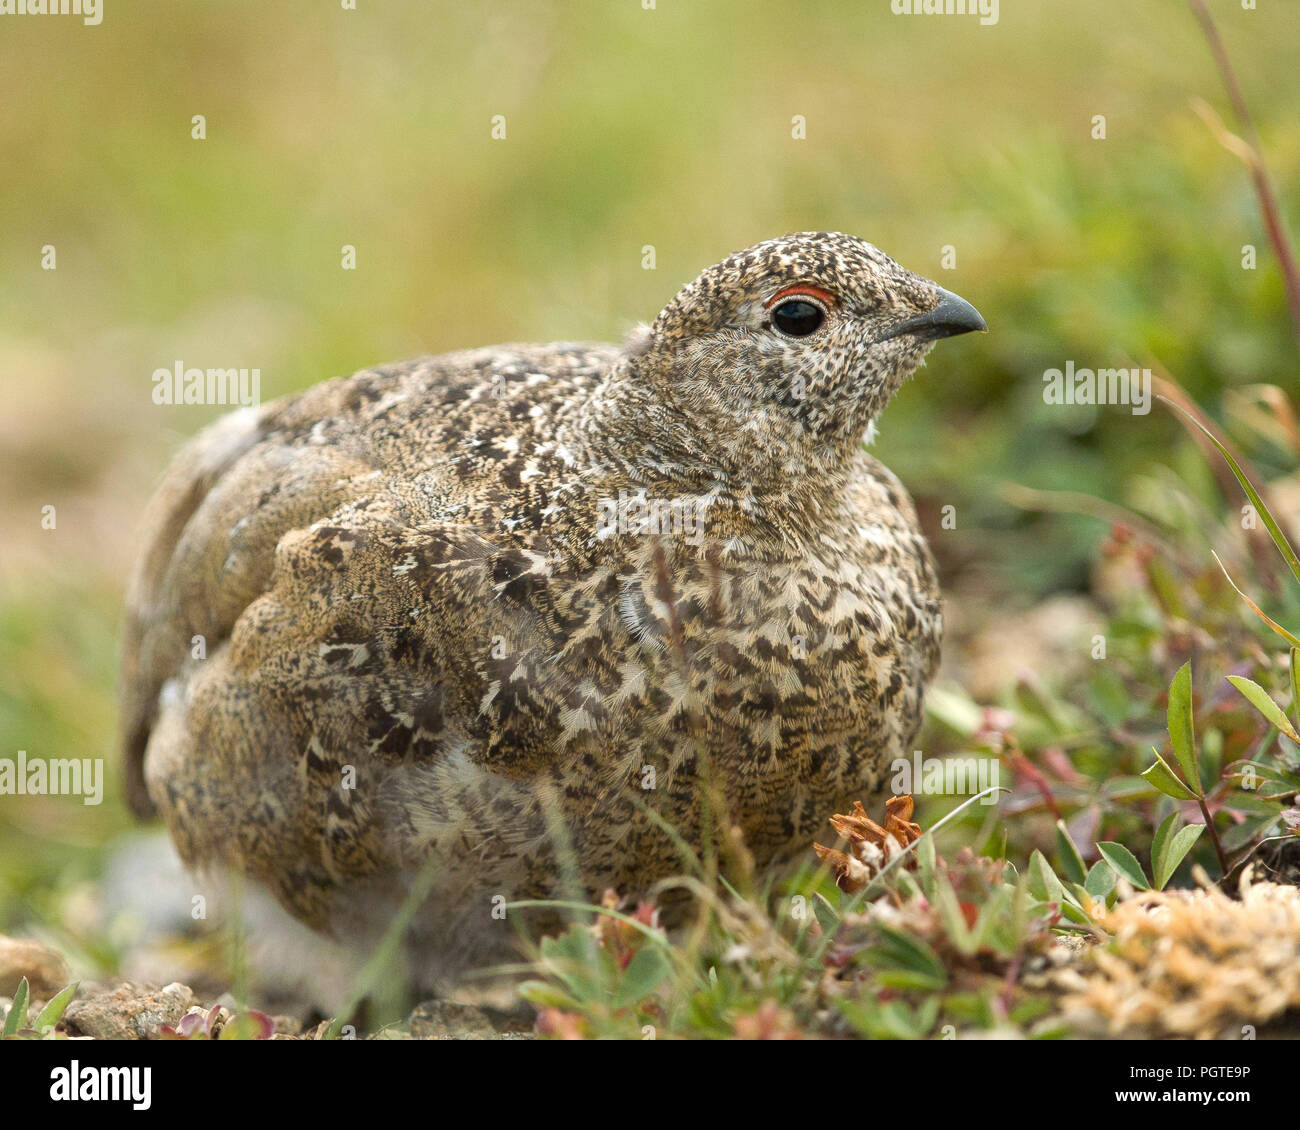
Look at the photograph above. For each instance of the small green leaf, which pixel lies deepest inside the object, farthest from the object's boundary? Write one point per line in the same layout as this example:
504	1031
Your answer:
1171	852
950	915
1029	1010
17	1017
908	887
547	996
1071	861
1101	880
1159	839
574	958
643	975
1074	913
251	1025
1125	863
891	1020
1162	777
1259	698
1082	896
927	1013
903	952
1044	884
900	1020
53	1011
1182	735
925	862
1295	683
827	915
1251	831
1125	788
905	981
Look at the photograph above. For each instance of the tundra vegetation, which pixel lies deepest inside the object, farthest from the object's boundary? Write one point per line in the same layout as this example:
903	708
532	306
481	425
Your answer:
1122	589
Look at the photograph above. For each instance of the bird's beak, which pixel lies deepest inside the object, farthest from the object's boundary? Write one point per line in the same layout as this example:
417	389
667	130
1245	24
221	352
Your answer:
950	316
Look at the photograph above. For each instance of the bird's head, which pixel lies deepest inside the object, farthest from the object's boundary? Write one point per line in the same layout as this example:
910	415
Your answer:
801	339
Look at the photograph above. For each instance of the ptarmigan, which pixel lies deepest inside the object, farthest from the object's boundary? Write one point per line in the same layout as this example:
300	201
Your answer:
459	610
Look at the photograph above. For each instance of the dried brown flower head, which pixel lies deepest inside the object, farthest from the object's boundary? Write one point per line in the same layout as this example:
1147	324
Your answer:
871	847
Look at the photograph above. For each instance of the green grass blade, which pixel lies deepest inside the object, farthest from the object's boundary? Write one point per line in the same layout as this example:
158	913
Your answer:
53	1011
1259	698
1295	683
382	960
1281	631
17	1017
1274	530
1182	734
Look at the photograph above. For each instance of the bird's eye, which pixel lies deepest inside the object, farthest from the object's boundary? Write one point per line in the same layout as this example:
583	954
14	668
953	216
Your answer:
798	317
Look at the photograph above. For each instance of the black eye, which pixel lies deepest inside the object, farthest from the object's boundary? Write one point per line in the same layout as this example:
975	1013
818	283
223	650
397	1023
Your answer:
798	317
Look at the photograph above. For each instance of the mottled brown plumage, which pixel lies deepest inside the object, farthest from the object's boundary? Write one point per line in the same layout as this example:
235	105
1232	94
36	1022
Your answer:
427	614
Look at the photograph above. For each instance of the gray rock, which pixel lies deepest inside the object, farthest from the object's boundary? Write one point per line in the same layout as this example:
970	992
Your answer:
129	1012
443	1020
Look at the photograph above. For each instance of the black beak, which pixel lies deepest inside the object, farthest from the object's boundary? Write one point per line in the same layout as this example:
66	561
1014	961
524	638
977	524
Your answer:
951	316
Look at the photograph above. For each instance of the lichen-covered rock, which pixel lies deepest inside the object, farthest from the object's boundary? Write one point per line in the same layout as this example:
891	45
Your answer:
129	1012
443	1020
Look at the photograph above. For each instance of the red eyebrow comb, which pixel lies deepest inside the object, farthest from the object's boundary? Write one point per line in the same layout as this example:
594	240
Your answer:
798	289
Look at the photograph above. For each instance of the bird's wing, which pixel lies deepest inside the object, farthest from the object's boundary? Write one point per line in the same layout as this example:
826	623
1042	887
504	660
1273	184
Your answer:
309	598
155	637
210	534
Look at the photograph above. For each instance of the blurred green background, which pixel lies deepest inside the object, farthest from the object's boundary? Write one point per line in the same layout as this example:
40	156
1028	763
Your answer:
624	127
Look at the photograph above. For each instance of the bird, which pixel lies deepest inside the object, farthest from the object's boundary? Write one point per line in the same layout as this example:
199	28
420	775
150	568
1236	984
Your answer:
466	631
